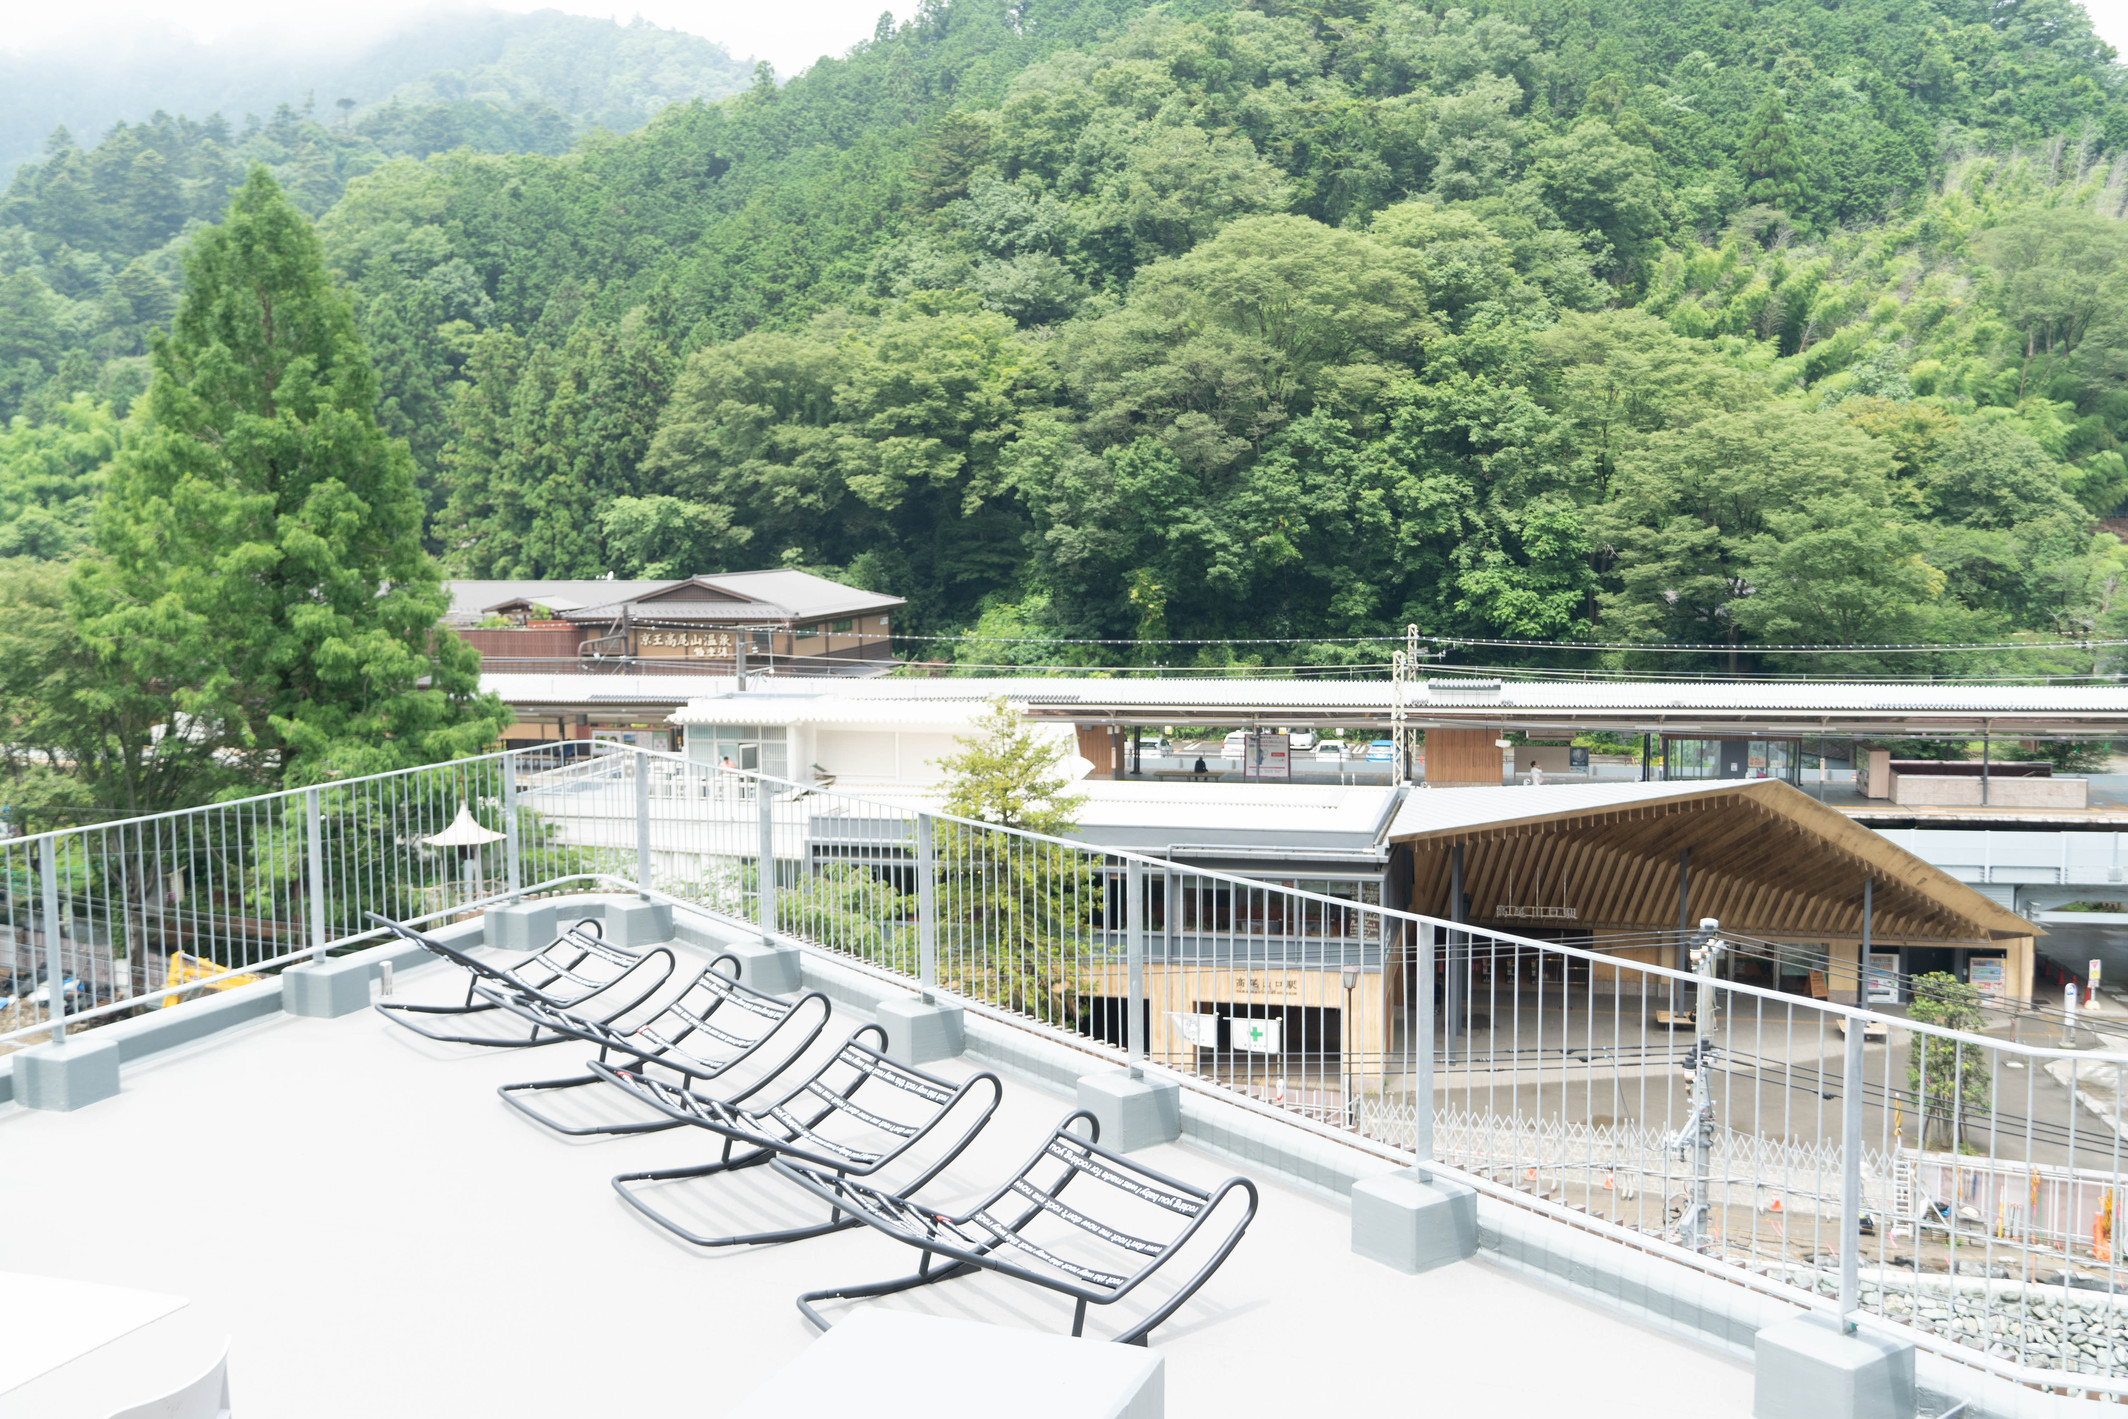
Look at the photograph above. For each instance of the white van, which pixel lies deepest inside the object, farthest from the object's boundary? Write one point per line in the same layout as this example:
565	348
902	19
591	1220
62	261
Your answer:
1236	745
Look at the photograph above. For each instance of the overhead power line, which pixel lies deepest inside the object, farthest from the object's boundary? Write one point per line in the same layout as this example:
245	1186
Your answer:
1451	642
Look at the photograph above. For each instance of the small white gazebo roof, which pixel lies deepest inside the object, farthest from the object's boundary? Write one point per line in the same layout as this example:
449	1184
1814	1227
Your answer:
464	831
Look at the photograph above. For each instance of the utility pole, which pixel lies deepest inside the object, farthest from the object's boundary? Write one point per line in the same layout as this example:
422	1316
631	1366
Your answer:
1694	1229
1399	665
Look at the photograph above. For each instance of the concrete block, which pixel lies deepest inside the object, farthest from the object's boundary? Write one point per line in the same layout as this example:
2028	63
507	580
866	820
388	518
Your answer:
920	1032
1413	1221
632	921
885	1364
63	1077
1133	1112
1805	1368
326	990
772	970
520	926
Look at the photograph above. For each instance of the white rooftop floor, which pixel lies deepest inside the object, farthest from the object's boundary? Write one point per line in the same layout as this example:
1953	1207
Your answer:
382	1235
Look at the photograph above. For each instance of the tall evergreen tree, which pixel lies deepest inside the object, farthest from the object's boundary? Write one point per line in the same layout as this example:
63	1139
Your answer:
1771	164
262	559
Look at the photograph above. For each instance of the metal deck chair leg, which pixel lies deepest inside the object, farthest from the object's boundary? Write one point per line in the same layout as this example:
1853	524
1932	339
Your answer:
509	1092
837	1223
924	1276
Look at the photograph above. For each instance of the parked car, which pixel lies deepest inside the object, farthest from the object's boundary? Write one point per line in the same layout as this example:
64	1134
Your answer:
1381	751
1330	751
1156	747
1235	745
1303	740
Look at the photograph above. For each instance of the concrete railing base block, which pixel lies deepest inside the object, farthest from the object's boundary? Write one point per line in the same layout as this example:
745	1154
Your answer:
919	1033
1412	1221
633	921
1805	1368
1133	1112
773	970
520	926
62	1077
326	990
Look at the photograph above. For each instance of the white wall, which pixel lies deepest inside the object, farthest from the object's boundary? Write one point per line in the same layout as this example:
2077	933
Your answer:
899	756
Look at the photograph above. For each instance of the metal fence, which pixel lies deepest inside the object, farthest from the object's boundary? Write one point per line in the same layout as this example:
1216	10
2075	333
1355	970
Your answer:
99	922
1957	1182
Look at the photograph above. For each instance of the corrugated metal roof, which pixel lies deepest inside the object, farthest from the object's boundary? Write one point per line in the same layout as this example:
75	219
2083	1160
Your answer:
470	599
1433	810
603	689
775	594
1792	703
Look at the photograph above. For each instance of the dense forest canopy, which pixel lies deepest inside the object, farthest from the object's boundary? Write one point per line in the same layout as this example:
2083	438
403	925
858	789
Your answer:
1739	322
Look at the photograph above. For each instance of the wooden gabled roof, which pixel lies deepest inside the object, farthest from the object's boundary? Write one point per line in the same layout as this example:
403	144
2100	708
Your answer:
1766	860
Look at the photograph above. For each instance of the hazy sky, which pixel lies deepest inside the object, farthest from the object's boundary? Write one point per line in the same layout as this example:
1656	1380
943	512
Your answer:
790	34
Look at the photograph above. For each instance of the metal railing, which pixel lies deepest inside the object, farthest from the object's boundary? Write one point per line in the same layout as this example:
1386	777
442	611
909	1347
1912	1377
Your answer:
97	922
1955	1183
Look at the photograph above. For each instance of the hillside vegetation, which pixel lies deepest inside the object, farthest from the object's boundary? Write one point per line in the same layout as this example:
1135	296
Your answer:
1657	320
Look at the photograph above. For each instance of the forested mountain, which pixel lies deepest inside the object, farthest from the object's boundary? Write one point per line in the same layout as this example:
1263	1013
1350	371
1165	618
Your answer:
456	71
1726	321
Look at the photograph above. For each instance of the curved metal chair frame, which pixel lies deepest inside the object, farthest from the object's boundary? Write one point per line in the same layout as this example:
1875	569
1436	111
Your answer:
688	1036
819	1122
558	975
992	1240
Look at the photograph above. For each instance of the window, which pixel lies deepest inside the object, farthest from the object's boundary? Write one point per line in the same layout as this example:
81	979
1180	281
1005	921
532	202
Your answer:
809	633
842	627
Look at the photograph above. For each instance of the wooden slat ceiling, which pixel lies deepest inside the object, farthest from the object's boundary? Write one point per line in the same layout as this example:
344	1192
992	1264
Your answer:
1766	860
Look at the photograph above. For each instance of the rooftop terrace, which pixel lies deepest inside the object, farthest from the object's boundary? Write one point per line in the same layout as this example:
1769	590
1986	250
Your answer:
381	1235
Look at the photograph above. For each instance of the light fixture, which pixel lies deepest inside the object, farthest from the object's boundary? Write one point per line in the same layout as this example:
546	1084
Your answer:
1352	977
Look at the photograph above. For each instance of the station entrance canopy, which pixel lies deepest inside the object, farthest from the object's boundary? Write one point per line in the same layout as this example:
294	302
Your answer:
1627	865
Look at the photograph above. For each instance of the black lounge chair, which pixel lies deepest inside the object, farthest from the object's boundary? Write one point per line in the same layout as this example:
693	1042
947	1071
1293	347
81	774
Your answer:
715	1031
575	972
856	1115
1107	1259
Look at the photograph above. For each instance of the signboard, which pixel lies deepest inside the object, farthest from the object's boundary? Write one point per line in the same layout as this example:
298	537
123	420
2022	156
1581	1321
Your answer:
1267	756
685	645
1198	1031
1883	979
1254	1036
1985	974
1577	759
1512	913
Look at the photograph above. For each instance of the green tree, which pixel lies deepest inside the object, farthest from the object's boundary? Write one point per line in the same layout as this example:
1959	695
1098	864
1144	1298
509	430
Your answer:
1016	914
261	566
1843	569
1947	1079
66	701
51	475
1691	507
1769	158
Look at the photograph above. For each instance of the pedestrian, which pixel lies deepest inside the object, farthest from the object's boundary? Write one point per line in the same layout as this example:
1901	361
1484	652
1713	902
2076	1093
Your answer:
1536	775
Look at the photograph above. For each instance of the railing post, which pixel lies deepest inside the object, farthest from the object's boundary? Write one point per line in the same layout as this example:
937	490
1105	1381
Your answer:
642	823
926	907
510	869
1134	962
765	875
1421	1030
314	868
1851	1178
54	980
